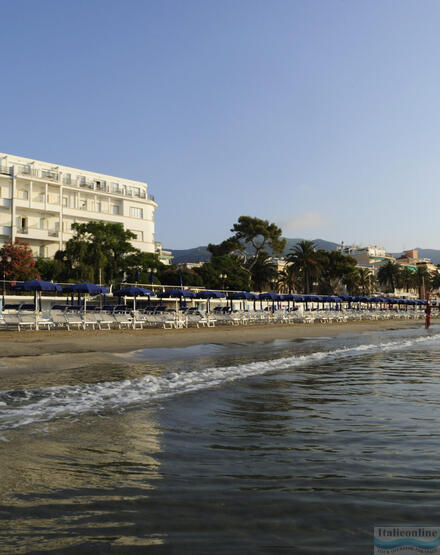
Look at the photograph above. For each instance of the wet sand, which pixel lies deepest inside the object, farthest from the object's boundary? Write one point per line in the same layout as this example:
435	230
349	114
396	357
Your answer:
39	351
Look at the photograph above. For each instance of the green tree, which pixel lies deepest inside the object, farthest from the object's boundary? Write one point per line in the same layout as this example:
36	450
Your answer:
237	279
334	267
49	269
352	282
136	267
286	279
407	278
435	283
17	261
388	275
174	275
97	251
263	272
423	280
306	263
251	239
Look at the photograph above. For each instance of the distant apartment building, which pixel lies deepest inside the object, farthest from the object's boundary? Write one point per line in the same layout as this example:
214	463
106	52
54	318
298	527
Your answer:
410	258
39	202
371	257
165	256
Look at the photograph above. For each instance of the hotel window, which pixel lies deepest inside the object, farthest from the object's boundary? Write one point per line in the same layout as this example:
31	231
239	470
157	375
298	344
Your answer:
22	224
82	180
42	223
42	197
43	250
68	179
115	187
136	212
65	201
24	194
115	209
137	191
98	206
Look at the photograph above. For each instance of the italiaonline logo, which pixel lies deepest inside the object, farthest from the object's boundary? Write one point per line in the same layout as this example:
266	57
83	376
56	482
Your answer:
407	539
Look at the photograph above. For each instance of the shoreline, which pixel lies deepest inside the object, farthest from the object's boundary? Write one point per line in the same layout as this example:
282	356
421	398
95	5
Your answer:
42	351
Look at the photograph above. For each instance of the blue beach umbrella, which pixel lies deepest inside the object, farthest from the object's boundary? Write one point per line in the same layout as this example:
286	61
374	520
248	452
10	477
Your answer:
243	296
177	294
270	297
208	295
37	285
85	287
134	292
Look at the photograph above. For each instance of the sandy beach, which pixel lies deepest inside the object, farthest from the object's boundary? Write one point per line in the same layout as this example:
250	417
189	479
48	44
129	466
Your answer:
39	351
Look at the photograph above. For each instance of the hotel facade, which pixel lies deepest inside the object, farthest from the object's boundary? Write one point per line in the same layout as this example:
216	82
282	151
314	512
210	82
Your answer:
40	201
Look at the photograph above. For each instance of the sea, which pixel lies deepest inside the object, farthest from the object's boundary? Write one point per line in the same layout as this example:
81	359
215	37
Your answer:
285	446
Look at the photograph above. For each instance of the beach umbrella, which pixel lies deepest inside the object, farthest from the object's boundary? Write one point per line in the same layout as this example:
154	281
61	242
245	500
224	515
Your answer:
37	285
177	294
209	295
134	292
270	297
243	296
85	287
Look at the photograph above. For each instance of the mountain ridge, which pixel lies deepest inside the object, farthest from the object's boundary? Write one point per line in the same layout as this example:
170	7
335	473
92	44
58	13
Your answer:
201	253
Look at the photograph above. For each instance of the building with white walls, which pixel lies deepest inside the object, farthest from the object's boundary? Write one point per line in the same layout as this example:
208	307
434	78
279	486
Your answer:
39	202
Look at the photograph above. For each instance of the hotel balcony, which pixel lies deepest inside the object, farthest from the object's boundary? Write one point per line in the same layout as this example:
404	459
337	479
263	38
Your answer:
79	182
4	170
31	232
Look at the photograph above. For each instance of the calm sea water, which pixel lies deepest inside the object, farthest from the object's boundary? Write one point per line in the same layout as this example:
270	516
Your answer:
298	446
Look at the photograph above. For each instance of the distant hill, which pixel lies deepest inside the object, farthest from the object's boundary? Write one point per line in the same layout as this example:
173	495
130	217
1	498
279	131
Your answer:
201	254
432	254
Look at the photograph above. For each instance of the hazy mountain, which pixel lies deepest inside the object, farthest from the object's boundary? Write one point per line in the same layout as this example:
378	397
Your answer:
201	254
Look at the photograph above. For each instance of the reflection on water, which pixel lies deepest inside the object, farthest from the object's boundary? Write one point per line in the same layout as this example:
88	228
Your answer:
316	443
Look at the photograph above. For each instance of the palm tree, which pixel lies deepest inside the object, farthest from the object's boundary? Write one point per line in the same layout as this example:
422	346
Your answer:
351	281
306	263
407	278
424	280
365	280
388	275
263	272
286	279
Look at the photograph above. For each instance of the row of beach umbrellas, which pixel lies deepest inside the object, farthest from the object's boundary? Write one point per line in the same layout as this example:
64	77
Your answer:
135	291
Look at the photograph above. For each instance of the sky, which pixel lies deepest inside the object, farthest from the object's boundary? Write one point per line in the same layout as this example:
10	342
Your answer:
322	116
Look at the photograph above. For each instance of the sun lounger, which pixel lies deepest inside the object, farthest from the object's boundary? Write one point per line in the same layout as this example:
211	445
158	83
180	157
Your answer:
104	319
89	319
74	319
122	320
59	319
15	320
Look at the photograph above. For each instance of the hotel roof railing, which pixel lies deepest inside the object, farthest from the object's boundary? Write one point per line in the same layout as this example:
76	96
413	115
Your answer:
92	184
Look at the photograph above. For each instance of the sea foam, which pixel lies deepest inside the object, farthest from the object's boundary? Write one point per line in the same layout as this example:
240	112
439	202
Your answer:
23	407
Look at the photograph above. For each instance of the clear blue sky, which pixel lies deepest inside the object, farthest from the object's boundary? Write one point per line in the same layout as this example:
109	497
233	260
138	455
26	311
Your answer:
322	116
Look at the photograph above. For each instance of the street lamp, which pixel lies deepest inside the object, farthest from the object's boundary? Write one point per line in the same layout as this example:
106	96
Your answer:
224	278
6	261
152	271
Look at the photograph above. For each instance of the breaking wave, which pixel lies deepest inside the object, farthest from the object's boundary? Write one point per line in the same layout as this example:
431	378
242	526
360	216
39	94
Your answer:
23	407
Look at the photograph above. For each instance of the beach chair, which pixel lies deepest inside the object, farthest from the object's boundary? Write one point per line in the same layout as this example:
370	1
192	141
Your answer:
104	319
59	319
15	321
122	320
89	319
74	319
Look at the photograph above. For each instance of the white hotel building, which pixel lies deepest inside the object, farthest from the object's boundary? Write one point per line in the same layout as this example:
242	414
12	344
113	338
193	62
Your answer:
40	201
